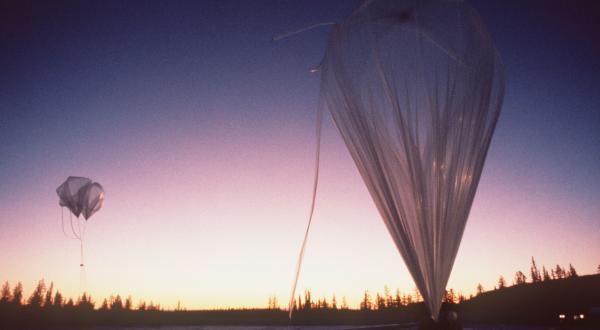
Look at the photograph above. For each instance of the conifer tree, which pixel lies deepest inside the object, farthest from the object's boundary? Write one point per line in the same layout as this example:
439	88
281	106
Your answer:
58	300
520	278
398	300
365	304
389	300
545	274
535	273
17	296
560	273
116	303
104	305
479	289
501	282
307	300
5	296
37	296
418	297
380	302
48	299
572	271
344	303
129	303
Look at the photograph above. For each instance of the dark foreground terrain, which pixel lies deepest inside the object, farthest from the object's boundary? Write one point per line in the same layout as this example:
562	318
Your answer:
568	302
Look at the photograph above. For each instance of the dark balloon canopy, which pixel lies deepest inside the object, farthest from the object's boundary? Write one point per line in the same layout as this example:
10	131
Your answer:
81	196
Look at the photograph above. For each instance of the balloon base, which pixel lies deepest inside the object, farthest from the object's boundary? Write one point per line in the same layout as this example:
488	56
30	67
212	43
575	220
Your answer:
429	324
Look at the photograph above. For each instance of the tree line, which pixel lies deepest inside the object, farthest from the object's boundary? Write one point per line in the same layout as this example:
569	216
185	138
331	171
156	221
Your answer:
46	297
398	299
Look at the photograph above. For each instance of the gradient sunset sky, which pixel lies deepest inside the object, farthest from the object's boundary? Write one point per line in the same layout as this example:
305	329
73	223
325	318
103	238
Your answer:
201	130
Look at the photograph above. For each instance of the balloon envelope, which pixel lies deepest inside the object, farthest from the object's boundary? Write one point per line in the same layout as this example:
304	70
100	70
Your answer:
415	89
70	193
81	196
93	199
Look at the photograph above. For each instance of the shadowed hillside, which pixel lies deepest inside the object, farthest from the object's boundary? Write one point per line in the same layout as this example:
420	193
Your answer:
539	302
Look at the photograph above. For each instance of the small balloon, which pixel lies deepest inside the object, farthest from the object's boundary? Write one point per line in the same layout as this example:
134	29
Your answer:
70	193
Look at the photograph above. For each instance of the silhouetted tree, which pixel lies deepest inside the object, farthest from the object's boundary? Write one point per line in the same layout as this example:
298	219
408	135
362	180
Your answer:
333	302
152	307
449	296
598	269
545	274
37	296
116	303
69	304
344	303
520	278
389	300
501	282
461	298
480	289
5	296
535	273
418	296
58	299
572	271
380	302
48	299
104	305
560	273
323	303
85	302
397	299
17	296
129	303
366	304
307	300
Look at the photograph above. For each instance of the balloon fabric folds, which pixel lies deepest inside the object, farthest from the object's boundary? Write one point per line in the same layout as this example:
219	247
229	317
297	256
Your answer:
82	197
71	194
415	88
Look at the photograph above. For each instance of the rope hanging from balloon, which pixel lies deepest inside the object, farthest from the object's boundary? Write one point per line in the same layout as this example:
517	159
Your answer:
318	129
77	232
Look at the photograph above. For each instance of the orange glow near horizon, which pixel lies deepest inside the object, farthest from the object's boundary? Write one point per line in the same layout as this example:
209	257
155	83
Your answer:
226	233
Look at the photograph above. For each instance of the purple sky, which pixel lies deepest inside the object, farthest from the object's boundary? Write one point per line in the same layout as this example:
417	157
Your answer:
201	131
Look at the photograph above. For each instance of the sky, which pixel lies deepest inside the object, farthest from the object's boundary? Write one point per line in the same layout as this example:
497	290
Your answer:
201	130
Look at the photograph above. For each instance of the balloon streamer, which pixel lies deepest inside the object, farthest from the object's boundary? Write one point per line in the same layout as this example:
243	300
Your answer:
318	125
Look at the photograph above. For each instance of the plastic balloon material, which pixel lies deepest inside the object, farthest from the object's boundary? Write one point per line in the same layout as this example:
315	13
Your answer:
71	193
415	88
93	199
82	197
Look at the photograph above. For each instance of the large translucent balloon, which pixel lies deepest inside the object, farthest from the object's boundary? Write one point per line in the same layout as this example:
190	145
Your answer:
415	89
